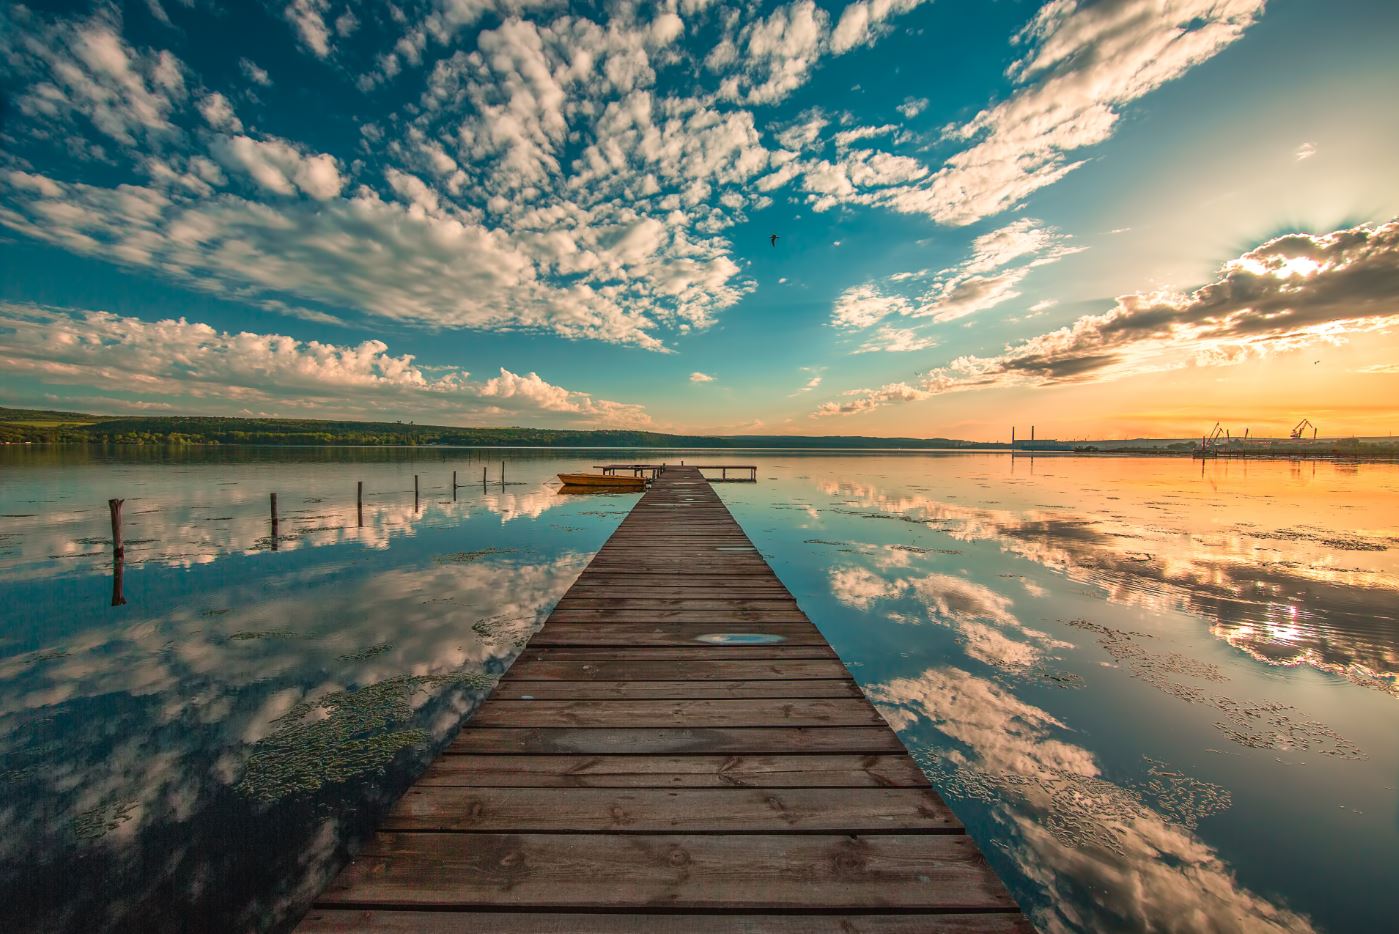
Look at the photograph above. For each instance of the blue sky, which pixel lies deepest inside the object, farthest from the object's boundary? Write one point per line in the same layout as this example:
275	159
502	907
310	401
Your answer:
1104	217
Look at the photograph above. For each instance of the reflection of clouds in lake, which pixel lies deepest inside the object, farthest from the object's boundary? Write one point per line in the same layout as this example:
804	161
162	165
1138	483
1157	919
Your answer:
1083	841
1285	599
153	721
193	531
982	617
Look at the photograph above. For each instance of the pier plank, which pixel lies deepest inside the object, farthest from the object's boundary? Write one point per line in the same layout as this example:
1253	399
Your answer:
629	775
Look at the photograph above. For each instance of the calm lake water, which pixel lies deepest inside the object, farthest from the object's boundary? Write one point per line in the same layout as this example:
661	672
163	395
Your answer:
1162	695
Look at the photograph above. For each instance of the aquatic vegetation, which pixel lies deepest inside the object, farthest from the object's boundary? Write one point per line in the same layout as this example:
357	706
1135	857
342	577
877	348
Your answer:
342	734
251	634
99	821
466	557
377	649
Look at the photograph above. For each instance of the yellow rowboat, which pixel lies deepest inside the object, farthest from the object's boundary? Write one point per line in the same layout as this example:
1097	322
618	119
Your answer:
602	481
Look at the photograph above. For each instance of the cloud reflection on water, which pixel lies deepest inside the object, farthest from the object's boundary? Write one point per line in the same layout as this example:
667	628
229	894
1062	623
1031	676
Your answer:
1326	601
1102	855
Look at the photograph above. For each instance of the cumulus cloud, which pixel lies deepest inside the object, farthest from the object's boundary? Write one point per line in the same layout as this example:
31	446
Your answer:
1291	292
862	22
227	371
278	166
83	68
1305	151
698	377
308	17
254	73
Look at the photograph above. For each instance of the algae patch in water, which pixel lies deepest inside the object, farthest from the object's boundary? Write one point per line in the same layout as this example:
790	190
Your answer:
248	635
337	736
101	820
466	557
377	649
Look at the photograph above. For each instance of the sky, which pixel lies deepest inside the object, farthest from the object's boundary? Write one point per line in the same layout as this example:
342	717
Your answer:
1107	219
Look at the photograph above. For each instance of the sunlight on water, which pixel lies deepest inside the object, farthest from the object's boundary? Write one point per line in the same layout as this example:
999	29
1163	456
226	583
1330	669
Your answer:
1150	688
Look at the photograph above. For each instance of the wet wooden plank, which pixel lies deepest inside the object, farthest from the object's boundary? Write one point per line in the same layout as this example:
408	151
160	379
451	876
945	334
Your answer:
671	810
628	771
679	871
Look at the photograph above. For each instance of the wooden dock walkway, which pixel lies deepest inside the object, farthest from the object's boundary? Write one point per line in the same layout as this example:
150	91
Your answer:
639	770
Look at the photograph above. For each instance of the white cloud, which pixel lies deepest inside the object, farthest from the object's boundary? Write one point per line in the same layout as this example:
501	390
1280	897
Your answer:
912	107
778	53
279	166
1305	151
1000	260
698	377
254	73
224	371
862	22
216	109
308	18
83	68
1294	291
1084	63
889	339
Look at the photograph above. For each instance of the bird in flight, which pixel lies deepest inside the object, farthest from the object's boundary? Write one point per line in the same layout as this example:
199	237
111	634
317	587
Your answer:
773	239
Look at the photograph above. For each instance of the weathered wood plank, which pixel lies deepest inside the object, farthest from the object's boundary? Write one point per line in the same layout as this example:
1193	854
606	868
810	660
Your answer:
725	740
634	635
671	810
624	771
845	711
679	871
596	669
520	689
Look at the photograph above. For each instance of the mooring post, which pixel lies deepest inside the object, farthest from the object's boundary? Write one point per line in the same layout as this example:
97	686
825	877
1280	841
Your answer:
415	492
359	502
118	548
502	474
483	479
273	500
454	481
118	552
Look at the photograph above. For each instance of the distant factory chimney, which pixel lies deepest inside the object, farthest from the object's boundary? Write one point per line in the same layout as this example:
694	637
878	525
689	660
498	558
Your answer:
1032	433
1012	436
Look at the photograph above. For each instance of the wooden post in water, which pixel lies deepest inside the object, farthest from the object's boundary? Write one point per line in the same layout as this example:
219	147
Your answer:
118	552
502	475
359	502
415	492
118	548
273	499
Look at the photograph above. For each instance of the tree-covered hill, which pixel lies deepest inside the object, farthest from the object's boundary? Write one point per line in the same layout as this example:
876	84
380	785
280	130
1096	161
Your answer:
40	427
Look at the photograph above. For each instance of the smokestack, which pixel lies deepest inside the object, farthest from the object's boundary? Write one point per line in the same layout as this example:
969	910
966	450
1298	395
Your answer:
1012	436
1032	432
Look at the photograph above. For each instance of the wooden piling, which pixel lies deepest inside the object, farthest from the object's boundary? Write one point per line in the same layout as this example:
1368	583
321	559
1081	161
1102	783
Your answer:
273	499
359	502
118	548
118	552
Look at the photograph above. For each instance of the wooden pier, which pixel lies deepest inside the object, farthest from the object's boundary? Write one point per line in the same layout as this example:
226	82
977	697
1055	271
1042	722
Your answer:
653	763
